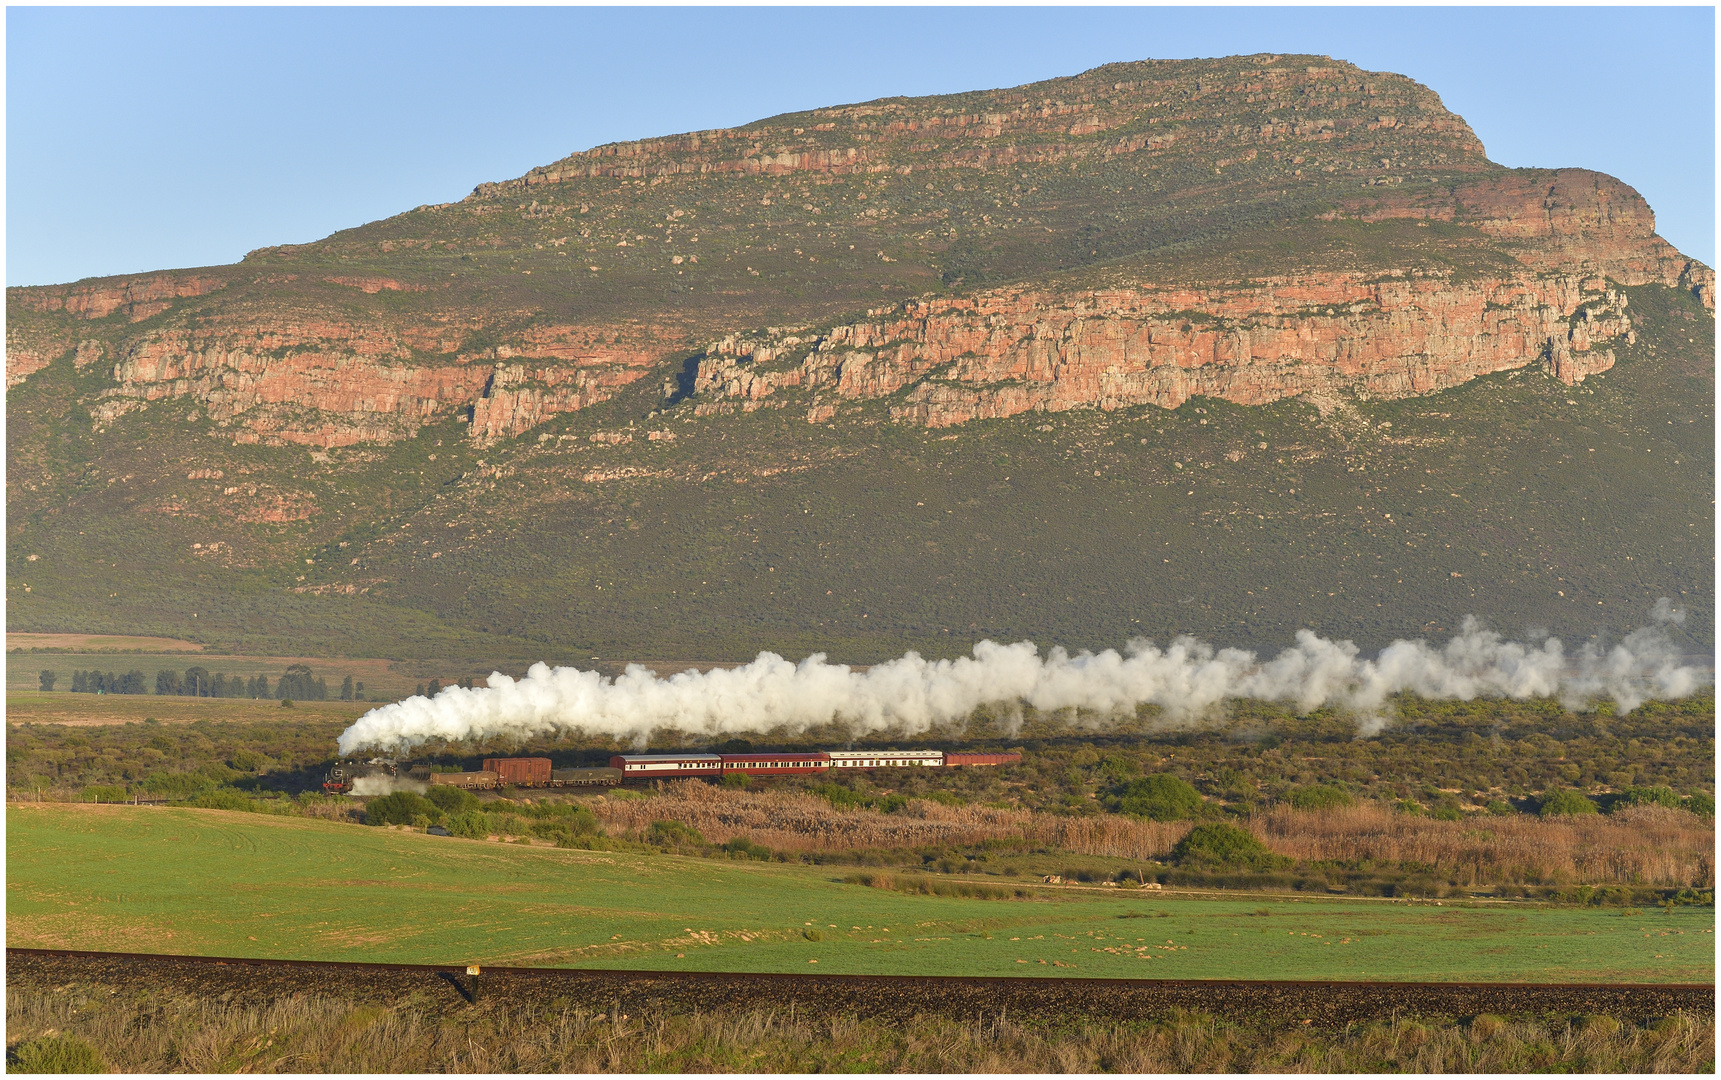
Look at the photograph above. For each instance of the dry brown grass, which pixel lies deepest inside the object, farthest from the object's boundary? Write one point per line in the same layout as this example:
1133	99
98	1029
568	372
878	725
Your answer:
797	822
321	1034
1647	845
1651	846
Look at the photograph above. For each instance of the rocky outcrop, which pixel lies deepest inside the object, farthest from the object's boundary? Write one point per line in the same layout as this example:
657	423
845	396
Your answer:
137	298
326	383
1005	352
1567	221
524	389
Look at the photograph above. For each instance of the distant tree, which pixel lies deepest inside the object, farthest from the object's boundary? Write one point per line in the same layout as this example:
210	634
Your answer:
297	684
48	679
218	685
197	682
133	683
322	691
358	691
167	682
347	688
418	691
80	682
434	689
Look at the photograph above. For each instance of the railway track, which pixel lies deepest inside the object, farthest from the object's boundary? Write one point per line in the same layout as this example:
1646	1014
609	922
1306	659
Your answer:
240	980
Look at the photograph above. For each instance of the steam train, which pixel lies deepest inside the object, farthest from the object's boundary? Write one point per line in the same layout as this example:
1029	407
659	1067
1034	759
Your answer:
346	777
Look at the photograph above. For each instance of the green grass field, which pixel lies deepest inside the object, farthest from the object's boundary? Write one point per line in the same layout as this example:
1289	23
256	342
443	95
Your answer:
213	882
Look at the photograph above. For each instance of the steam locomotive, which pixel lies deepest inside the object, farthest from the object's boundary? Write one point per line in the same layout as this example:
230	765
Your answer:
638	768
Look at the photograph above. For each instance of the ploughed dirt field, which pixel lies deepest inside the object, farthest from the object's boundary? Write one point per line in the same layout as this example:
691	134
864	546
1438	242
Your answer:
896	998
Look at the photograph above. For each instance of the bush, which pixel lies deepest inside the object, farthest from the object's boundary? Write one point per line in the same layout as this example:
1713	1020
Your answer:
57	1054
1566	801
178	785
224	799
451	800
400	808
1701	804
1220	843
737	780
943	798
673	834
1319	797
1499	807
104	793
840	798
741	845
1160	797
1645	796
473	824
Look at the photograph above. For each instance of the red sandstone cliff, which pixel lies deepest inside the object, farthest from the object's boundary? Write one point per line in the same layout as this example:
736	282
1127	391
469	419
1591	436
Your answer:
325	382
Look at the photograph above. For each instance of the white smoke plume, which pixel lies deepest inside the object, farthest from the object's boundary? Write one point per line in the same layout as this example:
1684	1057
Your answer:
910	694
386	785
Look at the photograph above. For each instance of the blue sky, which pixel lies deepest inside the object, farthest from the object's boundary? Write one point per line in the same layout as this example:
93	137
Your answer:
143	138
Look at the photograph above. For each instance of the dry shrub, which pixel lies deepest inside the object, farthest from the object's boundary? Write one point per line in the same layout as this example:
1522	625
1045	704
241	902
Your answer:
1647	845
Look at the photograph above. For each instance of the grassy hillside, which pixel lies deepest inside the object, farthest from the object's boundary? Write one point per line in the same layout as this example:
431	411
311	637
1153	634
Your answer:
215	883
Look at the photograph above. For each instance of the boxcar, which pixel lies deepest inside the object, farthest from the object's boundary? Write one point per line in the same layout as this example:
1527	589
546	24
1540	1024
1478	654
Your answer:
955	761
524	771
884	759
768	764
651	766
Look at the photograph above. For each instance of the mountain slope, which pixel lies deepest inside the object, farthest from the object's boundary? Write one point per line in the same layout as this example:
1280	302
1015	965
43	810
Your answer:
754	388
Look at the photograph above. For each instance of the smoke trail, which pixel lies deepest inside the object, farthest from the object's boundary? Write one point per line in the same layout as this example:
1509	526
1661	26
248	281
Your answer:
912	694
387	785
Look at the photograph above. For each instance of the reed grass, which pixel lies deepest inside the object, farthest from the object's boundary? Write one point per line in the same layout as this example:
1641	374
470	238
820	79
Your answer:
1647	846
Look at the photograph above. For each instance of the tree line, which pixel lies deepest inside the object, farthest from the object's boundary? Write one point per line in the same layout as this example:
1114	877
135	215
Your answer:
297	684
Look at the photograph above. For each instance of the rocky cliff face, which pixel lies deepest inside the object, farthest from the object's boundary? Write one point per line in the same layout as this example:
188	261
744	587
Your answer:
327	383
1006	352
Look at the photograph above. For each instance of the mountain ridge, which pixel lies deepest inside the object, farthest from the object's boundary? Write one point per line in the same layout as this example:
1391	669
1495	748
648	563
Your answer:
1136	248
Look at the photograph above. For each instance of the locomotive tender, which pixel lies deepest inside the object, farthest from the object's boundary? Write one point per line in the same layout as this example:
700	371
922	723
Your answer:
637	768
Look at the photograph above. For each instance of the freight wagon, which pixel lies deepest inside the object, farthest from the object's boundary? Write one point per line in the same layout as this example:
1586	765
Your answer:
586	777
484	779
520	771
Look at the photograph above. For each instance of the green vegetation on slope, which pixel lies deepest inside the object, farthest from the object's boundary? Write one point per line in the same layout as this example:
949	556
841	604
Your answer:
1513	497
215	883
